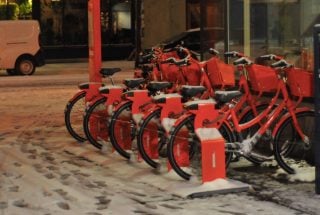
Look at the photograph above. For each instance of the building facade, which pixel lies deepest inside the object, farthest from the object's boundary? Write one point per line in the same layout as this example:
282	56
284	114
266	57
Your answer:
254	27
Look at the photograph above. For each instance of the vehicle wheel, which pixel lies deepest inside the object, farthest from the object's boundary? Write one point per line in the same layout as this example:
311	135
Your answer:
262	146
184	149
290	151
25	66
151	139
11	72
122	130
95	123
73	116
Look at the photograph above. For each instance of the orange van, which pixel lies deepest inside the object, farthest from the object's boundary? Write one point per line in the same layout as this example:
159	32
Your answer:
20	51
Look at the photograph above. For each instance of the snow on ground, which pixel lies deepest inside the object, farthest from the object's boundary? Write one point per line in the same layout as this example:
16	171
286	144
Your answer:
44	171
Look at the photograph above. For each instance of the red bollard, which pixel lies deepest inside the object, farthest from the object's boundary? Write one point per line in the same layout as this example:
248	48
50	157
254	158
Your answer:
213	154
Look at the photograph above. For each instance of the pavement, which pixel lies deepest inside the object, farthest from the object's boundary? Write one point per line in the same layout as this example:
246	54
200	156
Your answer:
64	73
44	167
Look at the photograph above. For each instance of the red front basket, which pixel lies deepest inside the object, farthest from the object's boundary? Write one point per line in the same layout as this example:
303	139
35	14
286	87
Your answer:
300	82
262	78
220	74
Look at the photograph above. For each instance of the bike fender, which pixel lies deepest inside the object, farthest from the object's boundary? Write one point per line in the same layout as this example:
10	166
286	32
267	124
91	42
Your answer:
150	111
120	105
286	116
91	102
77	94
181	118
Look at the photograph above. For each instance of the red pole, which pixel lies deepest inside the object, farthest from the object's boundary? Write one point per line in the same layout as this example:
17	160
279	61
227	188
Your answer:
94	33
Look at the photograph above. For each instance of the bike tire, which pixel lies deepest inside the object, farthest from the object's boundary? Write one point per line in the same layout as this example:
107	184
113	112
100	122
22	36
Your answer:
143	141
188	123
71	111
115	119
252	130
93	111
287	150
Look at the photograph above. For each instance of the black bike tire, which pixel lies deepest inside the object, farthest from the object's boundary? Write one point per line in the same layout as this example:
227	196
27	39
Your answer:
247	117
113	138
171	142
86	120
277	146
67	117
140	143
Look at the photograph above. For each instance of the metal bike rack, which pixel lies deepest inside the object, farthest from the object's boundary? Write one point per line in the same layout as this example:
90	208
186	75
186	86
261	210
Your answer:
316	139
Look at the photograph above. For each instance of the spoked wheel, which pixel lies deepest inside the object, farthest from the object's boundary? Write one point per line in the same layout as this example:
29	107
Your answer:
73	116
151	139
264	146
291	152
122	130
184	149
95	123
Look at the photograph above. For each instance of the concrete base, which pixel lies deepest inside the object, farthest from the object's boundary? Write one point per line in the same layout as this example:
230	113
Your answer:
218	186
135	170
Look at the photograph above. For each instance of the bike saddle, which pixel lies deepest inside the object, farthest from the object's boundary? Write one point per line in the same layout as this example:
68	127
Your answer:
109	71
106	89
191	91
85	85
158	86
163	97
226	96
133	82
193	105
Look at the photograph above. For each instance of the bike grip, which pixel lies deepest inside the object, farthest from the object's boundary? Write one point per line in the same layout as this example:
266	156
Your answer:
270	57
147	56
168	50
267	57
213	51
242	60
233	54
168	60
280	63
181	62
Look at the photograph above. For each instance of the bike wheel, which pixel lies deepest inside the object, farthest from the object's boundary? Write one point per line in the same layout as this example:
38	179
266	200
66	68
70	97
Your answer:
290	150
73	117
184	149
264	146
122	130
151	139
95	123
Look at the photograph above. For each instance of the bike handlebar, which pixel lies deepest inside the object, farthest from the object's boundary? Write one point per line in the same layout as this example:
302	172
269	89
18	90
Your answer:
242	61
213	51
176	62
270	57
281	63
233	54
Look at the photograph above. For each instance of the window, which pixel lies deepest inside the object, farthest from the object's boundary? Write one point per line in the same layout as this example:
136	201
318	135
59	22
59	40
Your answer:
116	22
64	22
15	9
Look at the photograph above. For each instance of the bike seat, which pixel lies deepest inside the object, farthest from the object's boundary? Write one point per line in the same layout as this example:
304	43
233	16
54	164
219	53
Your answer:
109	71
85	85
193	105
158	86
133	82
226	96
191	91
106	89
163	97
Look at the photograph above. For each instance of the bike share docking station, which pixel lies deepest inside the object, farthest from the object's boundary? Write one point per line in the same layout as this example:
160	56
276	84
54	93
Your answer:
212	144
213	166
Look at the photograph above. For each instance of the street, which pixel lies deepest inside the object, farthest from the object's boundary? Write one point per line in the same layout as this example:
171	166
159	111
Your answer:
43	170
